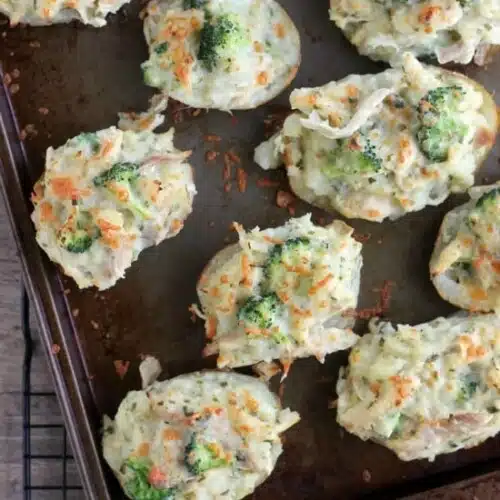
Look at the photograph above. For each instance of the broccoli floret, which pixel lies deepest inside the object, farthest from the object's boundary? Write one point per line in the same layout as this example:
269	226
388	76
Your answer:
219	35
119	172
260	311
200	457
281	257
194	4
463	266
468	388
119	180
138	486
489	199
352	158
161	48
91	139
78	235
440	126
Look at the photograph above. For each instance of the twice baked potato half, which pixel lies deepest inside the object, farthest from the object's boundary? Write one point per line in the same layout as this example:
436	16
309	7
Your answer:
465	264
205	435
45	12
451	31
425	390
106	196
281	293
218	53
380	146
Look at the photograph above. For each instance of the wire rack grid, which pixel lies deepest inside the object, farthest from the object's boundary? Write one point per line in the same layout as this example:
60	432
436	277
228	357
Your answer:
57	463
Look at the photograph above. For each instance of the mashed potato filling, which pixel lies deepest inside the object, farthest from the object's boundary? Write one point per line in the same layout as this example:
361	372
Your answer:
425	390
42	12
282	293
106	196
448	30
379	146
220	54
465	266
205	435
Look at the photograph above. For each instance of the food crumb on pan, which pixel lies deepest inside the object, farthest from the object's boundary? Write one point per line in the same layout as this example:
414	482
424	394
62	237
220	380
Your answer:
226	171
367	477
55	349
121	367
284	199
242	180
362	237
67	291
14	88
192	310
75	313
233	157
43	111
29	130
15	73
380	308
264	183
227	187
35	44
7	79
212	138
211	155
95	324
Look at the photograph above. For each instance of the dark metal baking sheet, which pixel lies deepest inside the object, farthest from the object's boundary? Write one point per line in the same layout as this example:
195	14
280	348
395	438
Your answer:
82	77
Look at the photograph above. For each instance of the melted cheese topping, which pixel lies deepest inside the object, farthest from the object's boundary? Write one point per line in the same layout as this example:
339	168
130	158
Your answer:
465	265
450	30
310	275
257	63
425	390
231	422
42	12
95	230
378	115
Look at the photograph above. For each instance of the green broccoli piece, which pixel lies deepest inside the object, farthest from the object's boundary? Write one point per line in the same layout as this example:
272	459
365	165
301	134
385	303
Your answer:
194	4
91	139
352	158
78	236
123	175
119	172
219	35
288	254
260	311
138	486
161	48
463	266
489	199
440	126
468	388
200	457
280	338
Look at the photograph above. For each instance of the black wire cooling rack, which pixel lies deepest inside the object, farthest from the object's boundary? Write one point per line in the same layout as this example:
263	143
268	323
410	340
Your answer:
58	463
